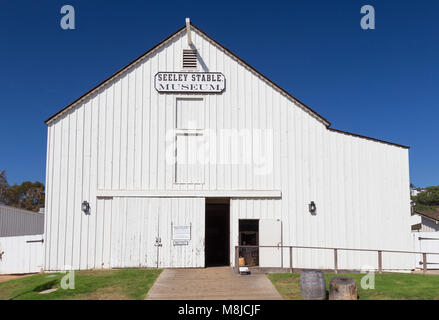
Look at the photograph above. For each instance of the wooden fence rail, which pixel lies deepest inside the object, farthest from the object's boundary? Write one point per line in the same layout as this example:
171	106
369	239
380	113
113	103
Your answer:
336	250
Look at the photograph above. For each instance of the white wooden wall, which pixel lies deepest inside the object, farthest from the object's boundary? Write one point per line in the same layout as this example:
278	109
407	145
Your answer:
430	243
19	256
116	140
121	233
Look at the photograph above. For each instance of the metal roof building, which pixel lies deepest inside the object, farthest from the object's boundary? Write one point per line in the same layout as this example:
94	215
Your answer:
19	222
188	152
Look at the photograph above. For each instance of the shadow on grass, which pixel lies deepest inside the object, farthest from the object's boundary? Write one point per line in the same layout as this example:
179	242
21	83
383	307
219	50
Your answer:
45	286
39	288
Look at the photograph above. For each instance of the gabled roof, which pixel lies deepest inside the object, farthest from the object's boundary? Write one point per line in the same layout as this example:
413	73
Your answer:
114	75
183	29
163	42
432	215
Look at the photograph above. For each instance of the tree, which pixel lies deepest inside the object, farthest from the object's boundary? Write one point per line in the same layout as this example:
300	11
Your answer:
28	195
32	195
3	186
428	199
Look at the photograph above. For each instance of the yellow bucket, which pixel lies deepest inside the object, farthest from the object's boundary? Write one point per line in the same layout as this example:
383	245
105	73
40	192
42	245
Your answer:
241	261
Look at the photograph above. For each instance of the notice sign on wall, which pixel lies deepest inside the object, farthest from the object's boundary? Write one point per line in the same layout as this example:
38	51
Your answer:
197	82
181	232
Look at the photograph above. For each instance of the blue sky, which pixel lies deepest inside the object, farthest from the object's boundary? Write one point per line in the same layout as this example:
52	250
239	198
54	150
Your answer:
381	83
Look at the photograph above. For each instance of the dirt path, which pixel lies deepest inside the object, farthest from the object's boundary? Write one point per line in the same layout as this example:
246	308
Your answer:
4	278
219	283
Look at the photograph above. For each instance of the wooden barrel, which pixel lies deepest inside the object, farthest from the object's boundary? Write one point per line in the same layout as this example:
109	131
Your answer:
312	285
343	288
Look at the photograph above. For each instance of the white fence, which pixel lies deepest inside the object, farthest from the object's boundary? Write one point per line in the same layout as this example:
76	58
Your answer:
23	254
426	242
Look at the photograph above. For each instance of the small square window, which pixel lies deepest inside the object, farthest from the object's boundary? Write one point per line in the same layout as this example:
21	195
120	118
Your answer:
190	114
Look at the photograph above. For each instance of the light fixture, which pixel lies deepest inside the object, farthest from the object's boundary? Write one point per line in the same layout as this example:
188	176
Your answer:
412	207
312	207
85	207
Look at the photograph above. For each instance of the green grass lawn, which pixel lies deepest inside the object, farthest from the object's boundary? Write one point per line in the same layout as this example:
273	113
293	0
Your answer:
389	286
93	284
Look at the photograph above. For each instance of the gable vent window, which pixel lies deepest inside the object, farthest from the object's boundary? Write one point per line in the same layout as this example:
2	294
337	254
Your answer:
189	59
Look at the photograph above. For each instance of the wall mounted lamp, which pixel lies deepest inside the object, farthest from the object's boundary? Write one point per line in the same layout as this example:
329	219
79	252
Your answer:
85	207
312	207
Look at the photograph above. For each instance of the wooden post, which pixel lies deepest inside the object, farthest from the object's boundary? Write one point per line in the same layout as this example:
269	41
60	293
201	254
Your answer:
282	257
335	261
188	31
424	262
343	288
291	259
380	261
236	258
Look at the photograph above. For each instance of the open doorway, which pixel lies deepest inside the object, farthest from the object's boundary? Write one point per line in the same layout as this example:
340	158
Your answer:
249	236
217	232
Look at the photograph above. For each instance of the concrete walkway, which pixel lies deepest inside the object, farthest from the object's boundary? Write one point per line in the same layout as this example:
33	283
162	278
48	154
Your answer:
219	283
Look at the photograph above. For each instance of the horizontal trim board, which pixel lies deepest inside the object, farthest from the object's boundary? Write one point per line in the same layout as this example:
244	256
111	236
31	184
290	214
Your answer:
191	194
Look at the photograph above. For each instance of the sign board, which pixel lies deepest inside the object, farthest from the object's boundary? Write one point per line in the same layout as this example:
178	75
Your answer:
192	82
181	232
181	242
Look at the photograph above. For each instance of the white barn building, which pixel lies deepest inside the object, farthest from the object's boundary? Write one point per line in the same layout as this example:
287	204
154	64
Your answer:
188	151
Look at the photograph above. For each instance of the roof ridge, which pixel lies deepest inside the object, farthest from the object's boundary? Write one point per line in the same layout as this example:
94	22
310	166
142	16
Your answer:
301	104
240	60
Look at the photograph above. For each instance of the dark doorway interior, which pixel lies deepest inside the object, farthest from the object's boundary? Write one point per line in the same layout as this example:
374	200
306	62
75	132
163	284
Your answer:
217	234
249	236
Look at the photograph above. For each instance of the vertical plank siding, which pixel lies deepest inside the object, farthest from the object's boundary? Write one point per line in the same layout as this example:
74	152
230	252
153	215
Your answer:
21	254
118	138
